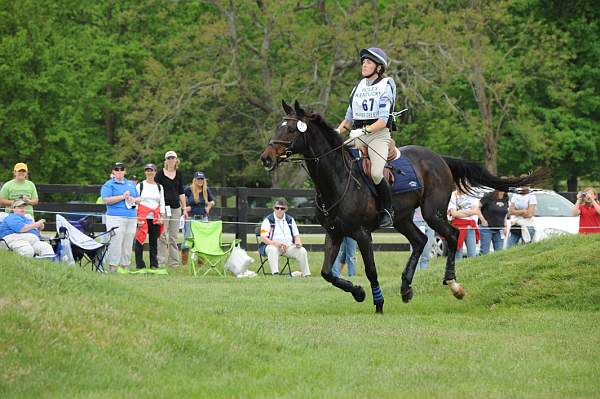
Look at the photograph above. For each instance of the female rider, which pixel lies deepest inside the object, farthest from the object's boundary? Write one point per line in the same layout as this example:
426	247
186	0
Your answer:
368	115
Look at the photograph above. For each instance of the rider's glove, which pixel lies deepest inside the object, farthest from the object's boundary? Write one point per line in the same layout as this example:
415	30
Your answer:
355	133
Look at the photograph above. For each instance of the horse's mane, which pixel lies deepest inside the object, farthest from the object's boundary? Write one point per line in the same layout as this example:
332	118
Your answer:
332	137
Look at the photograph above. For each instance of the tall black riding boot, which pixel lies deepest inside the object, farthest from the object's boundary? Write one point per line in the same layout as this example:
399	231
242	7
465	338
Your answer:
386	216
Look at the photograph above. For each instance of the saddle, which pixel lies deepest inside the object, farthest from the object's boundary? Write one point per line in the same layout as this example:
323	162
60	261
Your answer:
393	154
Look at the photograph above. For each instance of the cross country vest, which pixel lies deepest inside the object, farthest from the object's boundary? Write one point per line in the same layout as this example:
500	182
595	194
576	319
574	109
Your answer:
365	103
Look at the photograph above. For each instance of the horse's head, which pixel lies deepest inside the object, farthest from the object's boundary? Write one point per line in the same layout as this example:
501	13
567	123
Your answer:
289	138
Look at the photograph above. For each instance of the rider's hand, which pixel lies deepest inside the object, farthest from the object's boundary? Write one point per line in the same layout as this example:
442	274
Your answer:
355	133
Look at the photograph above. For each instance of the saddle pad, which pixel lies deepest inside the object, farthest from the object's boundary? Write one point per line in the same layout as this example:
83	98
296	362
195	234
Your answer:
403	182
408	181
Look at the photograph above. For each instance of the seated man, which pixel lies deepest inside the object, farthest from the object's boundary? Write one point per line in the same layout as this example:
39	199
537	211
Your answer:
281	236
21	234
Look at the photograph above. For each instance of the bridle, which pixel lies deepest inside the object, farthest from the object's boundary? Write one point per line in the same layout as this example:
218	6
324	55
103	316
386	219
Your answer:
286	157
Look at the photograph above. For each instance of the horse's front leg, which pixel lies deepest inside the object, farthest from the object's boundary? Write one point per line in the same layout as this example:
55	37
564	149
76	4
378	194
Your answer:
332	248
366	249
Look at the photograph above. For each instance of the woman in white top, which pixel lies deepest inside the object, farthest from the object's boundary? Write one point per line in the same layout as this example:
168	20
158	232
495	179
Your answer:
150	214
521	210
465	212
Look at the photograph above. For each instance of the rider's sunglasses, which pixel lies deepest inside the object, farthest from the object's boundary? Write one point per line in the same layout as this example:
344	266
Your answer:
280	208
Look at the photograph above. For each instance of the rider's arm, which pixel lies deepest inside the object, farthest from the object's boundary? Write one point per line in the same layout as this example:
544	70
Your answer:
346	124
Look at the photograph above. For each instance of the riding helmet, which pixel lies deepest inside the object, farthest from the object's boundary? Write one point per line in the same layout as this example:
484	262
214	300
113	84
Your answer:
375	54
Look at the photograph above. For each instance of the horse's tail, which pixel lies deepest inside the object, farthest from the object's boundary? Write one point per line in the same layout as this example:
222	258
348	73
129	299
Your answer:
468	175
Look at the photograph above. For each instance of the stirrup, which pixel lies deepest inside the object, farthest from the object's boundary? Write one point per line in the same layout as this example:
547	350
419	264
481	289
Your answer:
386	218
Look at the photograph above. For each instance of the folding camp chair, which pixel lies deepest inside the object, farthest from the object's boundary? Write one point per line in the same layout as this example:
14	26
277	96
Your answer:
85	249
263	256
206	246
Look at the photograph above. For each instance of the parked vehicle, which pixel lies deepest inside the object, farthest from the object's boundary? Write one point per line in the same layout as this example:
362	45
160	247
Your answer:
552	218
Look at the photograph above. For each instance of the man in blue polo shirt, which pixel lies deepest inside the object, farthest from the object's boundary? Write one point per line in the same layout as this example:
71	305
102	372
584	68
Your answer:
121	199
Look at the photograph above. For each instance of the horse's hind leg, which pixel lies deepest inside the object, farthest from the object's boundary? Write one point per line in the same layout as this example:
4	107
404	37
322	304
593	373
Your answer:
417	240
437	220
332	247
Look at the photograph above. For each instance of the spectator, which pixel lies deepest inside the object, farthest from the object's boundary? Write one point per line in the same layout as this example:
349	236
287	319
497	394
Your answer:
280	234
521	211
19	188
121	198
346	256
494	207
465	212
171	180
199	201
21	234
430	233
588	210
150	216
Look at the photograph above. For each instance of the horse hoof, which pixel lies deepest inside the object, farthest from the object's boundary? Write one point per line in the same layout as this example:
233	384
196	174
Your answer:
359	294
407	295
379	308
457	290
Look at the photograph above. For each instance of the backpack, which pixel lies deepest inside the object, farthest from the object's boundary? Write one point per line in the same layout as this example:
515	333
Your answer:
271	218
142	188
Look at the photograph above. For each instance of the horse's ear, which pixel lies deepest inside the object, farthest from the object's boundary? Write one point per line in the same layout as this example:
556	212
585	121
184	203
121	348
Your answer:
288	110
299	111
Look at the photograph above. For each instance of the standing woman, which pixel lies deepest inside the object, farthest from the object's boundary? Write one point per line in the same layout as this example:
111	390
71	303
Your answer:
200	201
494	207
521	210
151	217
588	210
121	198
368	115
465	212
171	181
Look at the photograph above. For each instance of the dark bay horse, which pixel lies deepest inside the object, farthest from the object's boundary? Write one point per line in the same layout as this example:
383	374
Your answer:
346	207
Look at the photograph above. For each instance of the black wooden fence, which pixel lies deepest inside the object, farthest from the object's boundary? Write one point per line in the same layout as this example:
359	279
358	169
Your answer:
242	209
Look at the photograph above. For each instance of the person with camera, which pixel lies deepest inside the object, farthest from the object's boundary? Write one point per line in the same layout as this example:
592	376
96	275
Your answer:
588	210
21	234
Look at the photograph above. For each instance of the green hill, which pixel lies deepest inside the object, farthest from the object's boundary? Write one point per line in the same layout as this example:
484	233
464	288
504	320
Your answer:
528	327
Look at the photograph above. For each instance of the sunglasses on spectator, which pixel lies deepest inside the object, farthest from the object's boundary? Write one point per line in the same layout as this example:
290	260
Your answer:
149	170
280	208
119	169
170	157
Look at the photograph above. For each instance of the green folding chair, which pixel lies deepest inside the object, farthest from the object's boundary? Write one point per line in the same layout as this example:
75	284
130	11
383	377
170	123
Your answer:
206	246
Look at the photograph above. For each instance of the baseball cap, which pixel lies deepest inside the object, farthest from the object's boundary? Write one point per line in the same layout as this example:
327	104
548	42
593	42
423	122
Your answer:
150	166
18	202
170	154
199	175
20	166
118	165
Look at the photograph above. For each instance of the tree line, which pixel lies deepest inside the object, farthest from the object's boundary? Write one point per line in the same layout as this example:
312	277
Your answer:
512	84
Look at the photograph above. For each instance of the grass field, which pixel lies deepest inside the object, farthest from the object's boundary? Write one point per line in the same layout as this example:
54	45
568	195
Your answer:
529	327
